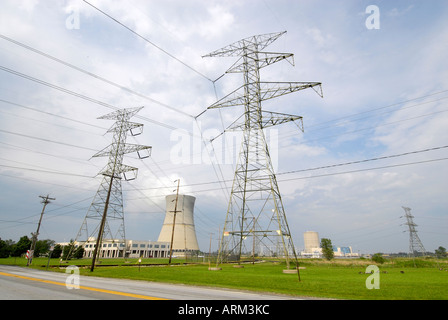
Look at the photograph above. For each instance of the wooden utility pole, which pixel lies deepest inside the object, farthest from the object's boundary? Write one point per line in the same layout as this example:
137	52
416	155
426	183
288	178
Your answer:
174	222
99	239
45	201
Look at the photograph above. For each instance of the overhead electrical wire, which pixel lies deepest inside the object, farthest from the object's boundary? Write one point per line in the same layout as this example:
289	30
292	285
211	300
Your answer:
148	41
366	160
46	171
51	114
368	169
93	75
380	108
286	135
46	140
343	164
104	104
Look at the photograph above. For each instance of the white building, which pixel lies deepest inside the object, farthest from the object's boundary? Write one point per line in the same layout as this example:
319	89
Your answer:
344	252
133	248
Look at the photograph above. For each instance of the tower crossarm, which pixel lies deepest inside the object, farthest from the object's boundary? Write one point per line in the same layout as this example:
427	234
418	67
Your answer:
268	90
126	126
119	170
263	59
241	47
269	119
124	149
122	114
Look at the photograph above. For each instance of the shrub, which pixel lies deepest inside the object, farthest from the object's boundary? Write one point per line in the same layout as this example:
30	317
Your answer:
378	258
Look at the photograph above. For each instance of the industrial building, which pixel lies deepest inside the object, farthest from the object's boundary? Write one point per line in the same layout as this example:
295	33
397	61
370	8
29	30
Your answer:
313	249
179	213
133	248
346	252
312	245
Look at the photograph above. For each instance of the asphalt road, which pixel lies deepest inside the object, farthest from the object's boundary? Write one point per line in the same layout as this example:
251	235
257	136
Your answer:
18	283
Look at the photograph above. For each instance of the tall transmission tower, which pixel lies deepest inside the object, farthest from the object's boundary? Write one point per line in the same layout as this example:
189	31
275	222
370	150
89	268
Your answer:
415	245
256	220
107	205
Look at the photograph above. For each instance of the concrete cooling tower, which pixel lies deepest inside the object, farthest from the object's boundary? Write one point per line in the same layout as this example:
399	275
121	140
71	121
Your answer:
311	239
184	232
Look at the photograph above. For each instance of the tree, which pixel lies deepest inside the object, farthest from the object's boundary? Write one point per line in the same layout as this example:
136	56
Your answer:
79	252
327	248
441	252
57	251
21	247
68	250
42	247
5	248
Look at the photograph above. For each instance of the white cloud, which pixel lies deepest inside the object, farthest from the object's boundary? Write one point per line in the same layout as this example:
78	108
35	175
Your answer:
27	5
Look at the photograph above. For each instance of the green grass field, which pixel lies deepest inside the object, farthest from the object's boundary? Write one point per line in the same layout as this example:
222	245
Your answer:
339	279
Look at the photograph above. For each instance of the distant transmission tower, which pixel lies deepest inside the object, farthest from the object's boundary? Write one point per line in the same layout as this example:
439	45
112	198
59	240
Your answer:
415	245
106	211
256	220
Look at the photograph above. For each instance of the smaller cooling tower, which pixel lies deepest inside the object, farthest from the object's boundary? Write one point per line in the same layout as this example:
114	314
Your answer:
184	232
311	239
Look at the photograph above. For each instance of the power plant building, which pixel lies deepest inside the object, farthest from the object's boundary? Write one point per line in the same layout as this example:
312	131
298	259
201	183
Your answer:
311	239
114	248
312	245
184	240
313	249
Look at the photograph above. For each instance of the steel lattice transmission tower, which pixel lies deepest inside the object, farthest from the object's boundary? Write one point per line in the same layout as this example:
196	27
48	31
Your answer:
256	220
415	245
106	213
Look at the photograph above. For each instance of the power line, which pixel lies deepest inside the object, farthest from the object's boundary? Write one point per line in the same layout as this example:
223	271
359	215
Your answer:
368	169
46	140
50	114
92	74
365	160
377	126
380	108
78	95
320	126
148	41
79	160
46	171
336	165
364	129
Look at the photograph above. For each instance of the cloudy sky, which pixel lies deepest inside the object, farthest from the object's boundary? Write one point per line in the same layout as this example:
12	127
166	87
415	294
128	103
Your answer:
374	143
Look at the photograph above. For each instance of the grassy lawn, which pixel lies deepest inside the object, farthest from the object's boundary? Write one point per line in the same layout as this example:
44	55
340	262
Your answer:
340	279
